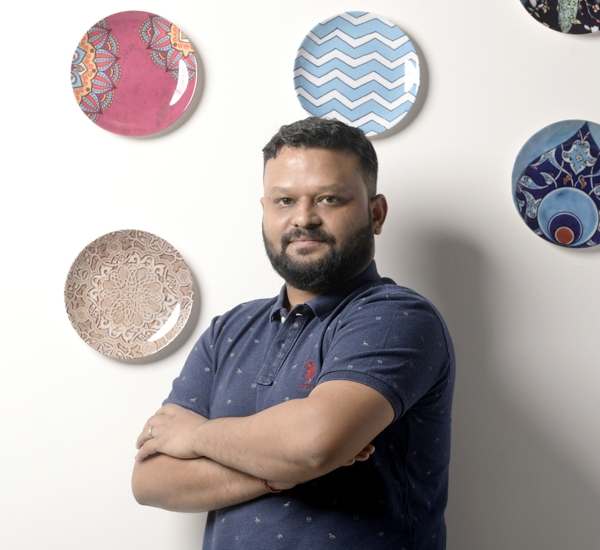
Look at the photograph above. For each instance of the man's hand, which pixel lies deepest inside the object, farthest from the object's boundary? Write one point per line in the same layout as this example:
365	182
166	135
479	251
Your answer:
362	456
300	439
170	431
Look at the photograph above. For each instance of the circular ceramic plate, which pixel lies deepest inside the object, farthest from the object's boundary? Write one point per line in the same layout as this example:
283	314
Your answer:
556	183
134	73
567	16
129	294
358	68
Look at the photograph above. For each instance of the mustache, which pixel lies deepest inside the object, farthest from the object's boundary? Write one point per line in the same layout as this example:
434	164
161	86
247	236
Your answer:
298	233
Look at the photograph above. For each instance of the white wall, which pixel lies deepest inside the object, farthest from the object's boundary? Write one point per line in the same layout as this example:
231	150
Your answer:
524	313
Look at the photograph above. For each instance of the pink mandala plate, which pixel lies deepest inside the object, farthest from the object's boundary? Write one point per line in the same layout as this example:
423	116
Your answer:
134	73
129	294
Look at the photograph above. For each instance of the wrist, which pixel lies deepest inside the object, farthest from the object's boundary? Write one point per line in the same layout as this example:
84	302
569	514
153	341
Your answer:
199	437
268	488
277	486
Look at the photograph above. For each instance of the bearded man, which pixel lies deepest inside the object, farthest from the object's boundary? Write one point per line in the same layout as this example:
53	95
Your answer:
319	418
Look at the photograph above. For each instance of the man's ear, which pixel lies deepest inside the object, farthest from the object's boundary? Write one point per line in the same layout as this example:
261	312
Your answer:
379	209
262	203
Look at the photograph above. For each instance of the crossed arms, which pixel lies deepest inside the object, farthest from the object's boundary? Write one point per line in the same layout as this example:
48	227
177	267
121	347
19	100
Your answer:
191	464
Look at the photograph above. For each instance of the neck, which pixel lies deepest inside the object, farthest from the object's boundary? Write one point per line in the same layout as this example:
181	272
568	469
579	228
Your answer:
296	296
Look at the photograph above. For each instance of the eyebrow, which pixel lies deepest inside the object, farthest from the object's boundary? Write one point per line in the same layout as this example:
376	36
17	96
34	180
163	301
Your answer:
333	188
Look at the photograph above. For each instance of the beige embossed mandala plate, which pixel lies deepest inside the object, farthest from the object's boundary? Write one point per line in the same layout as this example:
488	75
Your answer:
129	294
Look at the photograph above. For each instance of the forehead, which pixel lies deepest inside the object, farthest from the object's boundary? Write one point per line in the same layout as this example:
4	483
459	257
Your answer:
316	166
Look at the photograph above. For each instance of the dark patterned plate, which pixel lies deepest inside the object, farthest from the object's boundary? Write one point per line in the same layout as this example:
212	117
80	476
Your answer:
567	16
556	183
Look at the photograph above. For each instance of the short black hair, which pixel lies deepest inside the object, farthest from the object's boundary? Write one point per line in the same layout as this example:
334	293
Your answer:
327	134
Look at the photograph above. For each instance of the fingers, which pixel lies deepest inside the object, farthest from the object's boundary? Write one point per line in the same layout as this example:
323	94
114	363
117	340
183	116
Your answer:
146	434
365	453
362	456
153	422
170	431
147	449
144	441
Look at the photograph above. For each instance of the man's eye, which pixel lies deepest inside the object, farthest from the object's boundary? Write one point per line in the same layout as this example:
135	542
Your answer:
284	201
330	200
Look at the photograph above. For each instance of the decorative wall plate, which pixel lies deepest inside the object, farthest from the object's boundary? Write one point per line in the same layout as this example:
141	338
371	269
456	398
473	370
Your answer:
567	16
134	73
358	68
556	183
129	294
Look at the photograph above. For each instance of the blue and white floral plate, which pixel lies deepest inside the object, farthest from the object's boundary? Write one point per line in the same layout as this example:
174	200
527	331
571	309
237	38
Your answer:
556	183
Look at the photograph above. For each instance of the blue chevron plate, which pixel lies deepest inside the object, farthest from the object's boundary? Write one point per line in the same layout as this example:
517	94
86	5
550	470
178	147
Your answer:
359	68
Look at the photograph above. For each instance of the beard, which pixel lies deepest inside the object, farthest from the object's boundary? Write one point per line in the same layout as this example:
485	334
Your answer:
337	266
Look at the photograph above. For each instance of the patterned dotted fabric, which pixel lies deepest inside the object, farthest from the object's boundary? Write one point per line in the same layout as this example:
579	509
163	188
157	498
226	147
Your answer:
370	331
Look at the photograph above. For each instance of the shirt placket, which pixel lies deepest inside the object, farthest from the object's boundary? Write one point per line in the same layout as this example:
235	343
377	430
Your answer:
287	336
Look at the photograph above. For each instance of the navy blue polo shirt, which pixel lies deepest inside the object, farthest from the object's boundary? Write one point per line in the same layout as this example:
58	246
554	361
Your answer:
370	331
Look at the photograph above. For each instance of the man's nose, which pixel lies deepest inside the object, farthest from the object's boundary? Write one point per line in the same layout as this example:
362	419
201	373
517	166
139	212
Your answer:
306	214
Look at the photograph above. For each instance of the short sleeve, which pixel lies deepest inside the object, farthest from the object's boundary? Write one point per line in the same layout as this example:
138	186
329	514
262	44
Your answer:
193	387
395	343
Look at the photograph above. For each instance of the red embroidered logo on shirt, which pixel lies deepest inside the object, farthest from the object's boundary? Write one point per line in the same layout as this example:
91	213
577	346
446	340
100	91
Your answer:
309	373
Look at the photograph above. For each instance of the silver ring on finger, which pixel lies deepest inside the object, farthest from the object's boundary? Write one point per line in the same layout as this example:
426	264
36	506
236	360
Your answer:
150	432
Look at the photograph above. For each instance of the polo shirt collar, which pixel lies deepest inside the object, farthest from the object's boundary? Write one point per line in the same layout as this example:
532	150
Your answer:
323	304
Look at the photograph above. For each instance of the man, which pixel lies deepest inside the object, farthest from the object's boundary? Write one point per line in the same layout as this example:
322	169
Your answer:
319	418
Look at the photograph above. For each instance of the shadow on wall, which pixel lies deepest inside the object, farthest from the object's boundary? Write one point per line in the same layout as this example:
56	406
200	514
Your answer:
188	532
508	487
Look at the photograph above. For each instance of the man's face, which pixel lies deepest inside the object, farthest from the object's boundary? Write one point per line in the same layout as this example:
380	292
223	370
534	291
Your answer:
317	217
